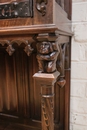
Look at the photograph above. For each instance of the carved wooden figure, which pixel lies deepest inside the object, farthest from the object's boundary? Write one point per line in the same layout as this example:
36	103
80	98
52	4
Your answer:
47	56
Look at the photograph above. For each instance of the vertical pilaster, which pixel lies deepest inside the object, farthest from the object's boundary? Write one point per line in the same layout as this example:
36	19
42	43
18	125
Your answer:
47	82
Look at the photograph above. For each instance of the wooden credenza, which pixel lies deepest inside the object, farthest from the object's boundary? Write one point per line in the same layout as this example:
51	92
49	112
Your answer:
34	64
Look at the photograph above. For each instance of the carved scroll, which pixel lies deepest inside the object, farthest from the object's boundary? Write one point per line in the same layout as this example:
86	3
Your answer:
41	6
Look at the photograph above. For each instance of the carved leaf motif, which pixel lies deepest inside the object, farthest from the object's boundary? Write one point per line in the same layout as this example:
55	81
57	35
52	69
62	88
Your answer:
28	49
10	50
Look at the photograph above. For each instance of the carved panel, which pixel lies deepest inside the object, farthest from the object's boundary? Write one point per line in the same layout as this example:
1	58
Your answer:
16	9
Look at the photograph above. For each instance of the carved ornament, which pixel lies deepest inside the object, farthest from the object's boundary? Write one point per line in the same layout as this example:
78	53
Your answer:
16	9
62	59
41	6
28	49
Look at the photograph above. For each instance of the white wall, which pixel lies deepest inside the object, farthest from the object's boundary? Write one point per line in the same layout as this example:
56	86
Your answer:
78	112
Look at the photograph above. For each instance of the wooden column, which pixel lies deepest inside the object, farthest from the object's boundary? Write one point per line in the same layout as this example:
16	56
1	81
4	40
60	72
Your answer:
47	82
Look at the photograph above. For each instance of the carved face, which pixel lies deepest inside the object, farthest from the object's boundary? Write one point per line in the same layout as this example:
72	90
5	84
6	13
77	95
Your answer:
44	47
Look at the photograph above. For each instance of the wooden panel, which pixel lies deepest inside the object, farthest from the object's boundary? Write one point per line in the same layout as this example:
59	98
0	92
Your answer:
20	94
15	94
36	20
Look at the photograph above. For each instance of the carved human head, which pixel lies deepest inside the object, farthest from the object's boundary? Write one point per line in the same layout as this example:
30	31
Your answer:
44	47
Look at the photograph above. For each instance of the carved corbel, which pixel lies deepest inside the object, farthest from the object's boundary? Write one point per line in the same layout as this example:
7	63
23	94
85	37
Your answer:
41	6
62	59
47	53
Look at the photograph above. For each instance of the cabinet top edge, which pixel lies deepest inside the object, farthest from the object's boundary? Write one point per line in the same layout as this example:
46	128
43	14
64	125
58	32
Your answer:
33	29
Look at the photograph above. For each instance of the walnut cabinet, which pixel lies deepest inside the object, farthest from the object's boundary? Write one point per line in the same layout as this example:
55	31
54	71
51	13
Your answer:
35	64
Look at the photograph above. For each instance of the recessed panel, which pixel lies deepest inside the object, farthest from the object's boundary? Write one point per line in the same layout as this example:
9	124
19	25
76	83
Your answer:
14	9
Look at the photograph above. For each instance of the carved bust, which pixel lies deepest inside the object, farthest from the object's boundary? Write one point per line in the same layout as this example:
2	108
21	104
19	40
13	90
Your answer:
47	56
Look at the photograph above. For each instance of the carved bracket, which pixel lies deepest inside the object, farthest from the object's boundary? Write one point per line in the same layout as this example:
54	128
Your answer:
63	56
53	54
28	49
41	6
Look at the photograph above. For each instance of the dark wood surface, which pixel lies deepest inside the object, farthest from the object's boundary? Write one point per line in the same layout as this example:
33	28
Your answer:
8	125
19	93
51	22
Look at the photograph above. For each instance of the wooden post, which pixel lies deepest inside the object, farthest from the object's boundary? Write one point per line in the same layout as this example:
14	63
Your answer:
47	82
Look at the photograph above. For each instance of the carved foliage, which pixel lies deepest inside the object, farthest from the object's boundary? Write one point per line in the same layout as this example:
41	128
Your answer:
41	6
10	50
28	49
47	56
